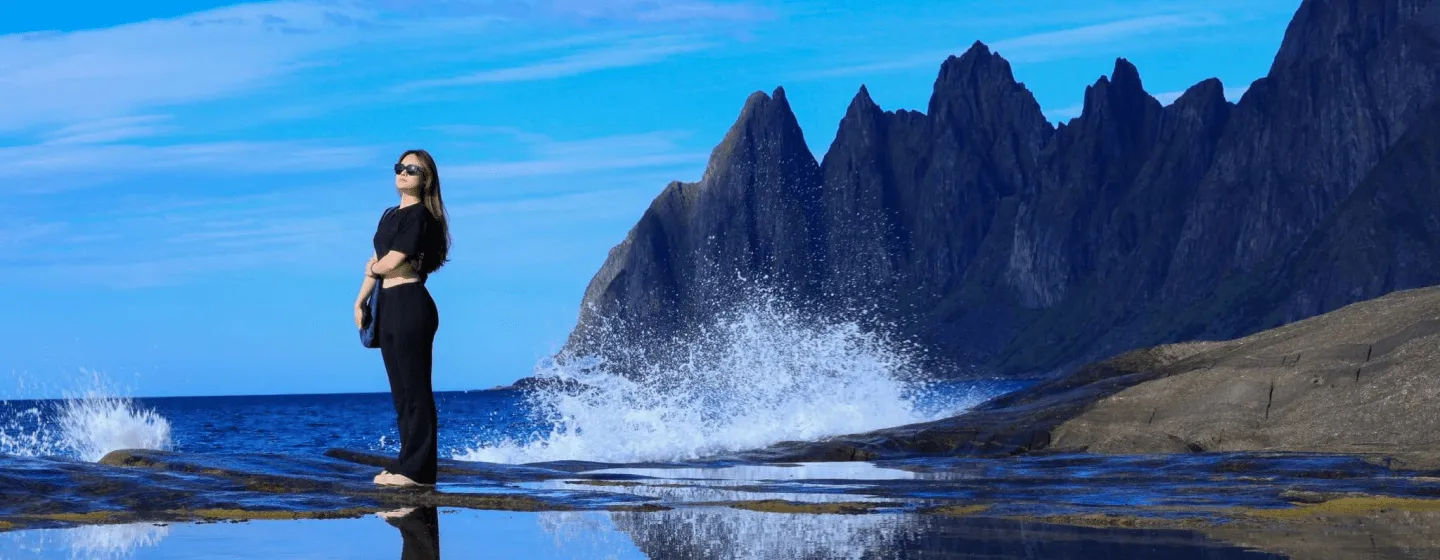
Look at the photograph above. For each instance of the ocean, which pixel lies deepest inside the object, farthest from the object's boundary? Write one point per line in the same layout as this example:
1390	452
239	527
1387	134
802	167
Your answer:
497	425
755	377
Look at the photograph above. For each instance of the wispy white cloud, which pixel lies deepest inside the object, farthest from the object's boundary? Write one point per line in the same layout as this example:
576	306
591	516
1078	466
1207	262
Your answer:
571	166
585	40
17	232
109	130
70	165
177	237
1050	45
589	204
1038	47
634	52
169	241
67	77
59	78
661	11
148	272
472	130
98	106
868	68
172	242
1073	14
549	157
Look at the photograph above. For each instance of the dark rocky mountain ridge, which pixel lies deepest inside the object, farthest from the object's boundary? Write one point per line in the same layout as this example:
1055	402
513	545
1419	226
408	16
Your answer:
997	240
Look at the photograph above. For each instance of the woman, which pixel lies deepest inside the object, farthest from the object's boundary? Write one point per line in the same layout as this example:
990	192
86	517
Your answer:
411	241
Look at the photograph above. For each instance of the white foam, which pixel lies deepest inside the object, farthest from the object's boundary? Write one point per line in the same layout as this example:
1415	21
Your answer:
84	425
758	376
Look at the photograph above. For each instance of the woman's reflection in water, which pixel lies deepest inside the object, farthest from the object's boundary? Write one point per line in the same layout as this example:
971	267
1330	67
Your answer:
420	529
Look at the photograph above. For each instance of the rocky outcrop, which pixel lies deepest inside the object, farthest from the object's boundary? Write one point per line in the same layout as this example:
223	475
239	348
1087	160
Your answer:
995	239
1357	380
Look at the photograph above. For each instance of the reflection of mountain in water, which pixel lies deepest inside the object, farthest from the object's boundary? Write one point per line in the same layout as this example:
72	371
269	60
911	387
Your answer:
87	541
723	532
731	533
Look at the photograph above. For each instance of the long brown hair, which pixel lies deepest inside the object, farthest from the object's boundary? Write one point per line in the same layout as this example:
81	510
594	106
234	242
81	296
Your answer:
430	195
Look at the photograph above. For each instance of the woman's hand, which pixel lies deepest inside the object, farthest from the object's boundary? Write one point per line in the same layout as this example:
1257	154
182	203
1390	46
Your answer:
359	316
368	263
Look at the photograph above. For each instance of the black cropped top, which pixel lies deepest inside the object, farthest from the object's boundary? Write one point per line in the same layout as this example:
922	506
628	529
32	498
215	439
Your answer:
410	230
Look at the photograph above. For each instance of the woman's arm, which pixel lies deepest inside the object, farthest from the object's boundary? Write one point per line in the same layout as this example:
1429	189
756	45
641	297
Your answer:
365	288
367	284
393	260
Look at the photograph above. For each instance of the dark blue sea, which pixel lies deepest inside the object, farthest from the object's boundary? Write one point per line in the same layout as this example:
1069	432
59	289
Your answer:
498	425
759	377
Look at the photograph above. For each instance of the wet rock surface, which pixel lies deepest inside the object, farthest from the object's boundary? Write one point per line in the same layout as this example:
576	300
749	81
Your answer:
145	485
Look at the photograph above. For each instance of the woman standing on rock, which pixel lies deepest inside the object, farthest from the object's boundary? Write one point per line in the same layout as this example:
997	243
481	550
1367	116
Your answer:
411	241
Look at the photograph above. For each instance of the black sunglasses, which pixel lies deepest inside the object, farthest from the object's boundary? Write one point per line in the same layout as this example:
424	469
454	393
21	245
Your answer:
411	169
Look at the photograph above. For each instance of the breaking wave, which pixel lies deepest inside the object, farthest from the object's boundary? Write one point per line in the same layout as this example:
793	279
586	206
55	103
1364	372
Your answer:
84	425
754	377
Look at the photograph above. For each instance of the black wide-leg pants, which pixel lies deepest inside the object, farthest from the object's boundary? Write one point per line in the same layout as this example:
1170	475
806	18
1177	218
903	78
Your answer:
408	321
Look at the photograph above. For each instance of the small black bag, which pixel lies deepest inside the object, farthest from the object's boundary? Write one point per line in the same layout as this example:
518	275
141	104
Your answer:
369	325
369	314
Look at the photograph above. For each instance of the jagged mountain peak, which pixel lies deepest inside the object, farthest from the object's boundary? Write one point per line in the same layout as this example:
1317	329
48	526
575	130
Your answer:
765	123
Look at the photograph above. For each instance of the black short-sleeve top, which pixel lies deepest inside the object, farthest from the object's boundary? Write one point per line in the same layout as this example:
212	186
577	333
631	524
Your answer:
410	230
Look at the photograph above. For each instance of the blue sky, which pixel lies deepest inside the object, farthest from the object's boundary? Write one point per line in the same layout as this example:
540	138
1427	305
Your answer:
191	188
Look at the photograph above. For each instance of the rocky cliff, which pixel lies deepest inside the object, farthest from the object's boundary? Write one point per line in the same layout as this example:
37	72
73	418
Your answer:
994	238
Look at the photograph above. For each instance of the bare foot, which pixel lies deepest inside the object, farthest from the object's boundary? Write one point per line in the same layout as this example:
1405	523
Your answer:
392	479
395	513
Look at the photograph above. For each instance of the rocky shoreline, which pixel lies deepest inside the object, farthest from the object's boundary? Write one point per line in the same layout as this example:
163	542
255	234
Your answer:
1310	505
